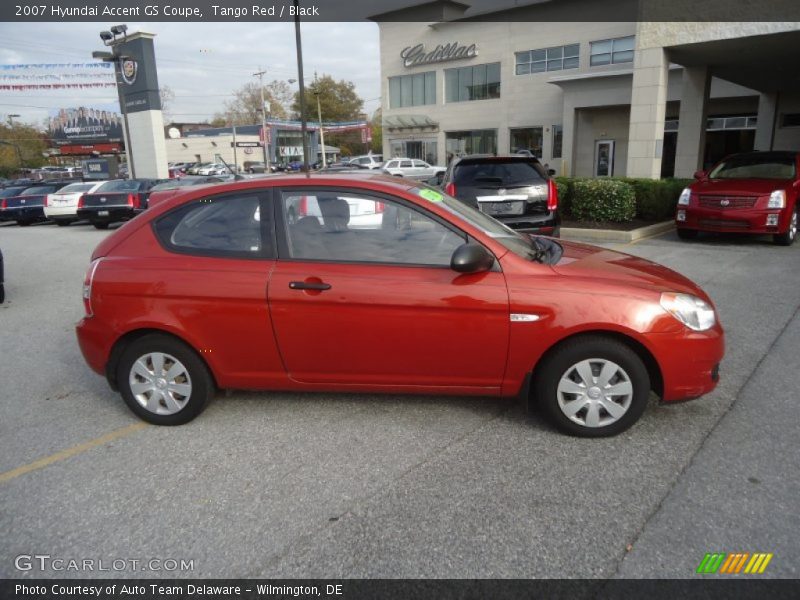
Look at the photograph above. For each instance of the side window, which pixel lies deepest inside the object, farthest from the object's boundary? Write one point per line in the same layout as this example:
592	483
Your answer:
354	227
221	226
405	164
419	163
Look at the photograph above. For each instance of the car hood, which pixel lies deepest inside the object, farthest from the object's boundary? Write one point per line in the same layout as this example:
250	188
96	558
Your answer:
739	187
595	263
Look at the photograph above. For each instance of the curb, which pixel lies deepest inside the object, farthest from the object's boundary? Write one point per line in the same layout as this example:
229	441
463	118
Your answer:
612	235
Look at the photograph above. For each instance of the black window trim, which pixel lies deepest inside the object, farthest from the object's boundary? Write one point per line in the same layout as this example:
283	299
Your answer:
267	252
282	224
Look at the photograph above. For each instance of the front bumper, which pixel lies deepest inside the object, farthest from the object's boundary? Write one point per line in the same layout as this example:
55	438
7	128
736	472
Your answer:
689	362
749	220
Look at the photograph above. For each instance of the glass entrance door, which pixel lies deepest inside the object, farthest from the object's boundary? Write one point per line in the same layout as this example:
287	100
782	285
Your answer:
604	158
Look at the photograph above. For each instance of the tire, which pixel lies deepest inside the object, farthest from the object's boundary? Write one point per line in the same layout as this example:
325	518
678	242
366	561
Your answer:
788	237
687	234
172	399
24	223
100	225
562	371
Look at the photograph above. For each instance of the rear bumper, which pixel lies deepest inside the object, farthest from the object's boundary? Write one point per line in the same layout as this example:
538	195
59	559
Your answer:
545	224
94	342
689	362
109	214
56	212
748	220
24	213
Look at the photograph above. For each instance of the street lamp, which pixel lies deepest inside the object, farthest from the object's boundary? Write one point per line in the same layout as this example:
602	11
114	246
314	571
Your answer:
11	119
260	76
321	130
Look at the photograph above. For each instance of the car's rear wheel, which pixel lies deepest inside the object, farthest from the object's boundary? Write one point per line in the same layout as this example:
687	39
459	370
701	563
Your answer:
787	238
100	225
592	387
687	234
163	381
23	223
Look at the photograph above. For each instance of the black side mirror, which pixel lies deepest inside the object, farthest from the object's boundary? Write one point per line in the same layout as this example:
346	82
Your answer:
551	172
471	258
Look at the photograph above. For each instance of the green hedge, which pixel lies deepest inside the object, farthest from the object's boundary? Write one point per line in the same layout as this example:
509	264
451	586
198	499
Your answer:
603	200
654	199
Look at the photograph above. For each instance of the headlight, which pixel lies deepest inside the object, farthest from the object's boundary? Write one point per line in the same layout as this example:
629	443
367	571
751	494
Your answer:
689	310
686	194
777	199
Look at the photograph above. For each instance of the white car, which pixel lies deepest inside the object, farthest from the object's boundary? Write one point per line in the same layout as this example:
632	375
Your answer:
371	161
412	168
213	169
362	213
62	206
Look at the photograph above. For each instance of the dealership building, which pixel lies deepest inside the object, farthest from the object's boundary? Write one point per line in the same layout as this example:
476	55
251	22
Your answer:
636	99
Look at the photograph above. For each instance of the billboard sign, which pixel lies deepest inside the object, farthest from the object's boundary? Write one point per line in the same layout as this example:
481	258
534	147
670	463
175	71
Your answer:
89	124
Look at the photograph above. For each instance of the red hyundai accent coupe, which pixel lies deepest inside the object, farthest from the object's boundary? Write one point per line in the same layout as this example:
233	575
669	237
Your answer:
753	192
378	284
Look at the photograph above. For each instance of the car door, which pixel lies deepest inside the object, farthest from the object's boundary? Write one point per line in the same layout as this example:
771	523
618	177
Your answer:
422	170
376	303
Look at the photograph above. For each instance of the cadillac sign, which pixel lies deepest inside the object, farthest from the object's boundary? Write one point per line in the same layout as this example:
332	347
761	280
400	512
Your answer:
414	56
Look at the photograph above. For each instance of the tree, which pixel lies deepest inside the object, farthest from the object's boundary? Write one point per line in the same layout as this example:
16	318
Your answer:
167	96
377	131
338	100
21	142
245	108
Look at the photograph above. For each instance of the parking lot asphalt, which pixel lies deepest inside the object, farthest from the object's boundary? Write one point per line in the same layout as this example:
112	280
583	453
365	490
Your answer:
335	485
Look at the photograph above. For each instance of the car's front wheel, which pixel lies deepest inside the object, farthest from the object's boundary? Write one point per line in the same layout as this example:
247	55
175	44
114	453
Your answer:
163	381
592	387
100	225
788	237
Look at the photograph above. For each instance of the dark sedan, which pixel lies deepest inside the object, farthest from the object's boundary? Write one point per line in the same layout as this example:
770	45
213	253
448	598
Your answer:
27	206
116	200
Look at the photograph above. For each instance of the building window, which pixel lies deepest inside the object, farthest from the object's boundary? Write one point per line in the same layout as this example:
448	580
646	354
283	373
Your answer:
558	135
528	138
607	52
790	120
412	90
547	59
479	141
478	82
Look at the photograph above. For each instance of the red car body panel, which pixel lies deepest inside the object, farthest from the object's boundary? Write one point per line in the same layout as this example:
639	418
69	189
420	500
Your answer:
739	205
386	328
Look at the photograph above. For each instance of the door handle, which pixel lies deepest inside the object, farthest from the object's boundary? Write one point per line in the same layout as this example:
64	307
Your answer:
308	285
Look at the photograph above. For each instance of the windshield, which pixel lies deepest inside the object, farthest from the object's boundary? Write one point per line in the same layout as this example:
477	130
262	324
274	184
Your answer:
12	191
33	191
119	185
754	166
520	244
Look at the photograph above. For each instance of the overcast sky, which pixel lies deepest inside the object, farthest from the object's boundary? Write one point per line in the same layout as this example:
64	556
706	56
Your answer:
201	62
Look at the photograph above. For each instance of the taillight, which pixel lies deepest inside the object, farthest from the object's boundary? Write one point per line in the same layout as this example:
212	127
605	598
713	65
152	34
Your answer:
379	206
133	200
4	204
80	201
450	189
87	287
45	200
552	195
302	207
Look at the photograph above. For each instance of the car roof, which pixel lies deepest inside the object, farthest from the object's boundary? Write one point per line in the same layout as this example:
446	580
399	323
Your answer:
767	154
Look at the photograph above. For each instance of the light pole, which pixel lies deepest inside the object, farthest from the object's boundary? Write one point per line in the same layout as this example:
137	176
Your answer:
299	46
109	39
260	76
11	120
321	130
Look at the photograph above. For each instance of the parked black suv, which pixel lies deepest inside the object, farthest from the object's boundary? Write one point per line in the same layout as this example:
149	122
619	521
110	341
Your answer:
516	190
